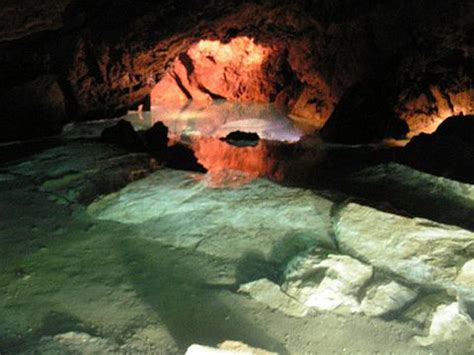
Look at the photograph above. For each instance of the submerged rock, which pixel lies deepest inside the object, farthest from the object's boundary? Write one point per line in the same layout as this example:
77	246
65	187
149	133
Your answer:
270	294
448	324
178	208
387	299
332	284
77	343
420	251
242	139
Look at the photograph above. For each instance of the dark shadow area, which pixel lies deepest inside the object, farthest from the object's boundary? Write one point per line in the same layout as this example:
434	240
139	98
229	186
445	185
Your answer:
19	150
254	265
52	324
189	309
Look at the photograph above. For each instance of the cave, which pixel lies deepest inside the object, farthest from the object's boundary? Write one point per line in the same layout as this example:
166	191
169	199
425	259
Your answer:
236	177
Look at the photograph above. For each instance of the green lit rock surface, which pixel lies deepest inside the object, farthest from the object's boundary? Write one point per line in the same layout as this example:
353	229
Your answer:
448	324
153	266
178	208
268	293
387	299
420	251
330	285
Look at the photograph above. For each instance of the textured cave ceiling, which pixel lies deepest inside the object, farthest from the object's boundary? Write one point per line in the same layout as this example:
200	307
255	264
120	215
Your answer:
364	64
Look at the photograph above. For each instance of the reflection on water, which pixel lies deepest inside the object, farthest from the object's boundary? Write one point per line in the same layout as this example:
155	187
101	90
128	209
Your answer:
200	127
229	165
219	119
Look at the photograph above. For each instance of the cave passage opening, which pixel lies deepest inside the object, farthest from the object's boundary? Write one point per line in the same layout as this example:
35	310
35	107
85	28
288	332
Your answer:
216	87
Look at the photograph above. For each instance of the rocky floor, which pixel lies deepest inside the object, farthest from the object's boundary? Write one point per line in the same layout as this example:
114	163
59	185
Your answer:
103	251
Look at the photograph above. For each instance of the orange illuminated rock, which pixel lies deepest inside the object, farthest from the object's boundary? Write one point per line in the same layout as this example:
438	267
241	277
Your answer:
425	112
210	69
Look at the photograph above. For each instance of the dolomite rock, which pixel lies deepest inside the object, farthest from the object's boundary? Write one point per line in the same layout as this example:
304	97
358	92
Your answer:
268	293
342	279
448	324
420	251
387	299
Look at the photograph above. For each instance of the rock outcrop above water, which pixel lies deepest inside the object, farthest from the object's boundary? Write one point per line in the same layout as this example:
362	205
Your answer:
449	151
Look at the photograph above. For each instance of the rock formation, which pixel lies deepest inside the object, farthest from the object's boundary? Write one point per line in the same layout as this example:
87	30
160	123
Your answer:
108	57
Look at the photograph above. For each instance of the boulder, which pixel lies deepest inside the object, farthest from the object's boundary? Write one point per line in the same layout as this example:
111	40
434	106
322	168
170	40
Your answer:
419	251
242	139
448	324
332	284
449	151
33	109
363	115
270	294
465	288
123	135
387	299
458	126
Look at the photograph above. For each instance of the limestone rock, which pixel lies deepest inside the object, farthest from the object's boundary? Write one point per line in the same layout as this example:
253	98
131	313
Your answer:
387	299
227	348
420	251
448	324
268	293
465	288
179	208
332	284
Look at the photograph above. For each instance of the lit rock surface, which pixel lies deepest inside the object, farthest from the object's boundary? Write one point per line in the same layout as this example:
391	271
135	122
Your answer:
343	278
418	250
465	288
387	299
227	348
267	292
261	217
448	324
418	193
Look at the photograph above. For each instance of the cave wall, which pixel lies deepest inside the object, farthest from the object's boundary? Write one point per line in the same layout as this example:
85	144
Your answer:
106	56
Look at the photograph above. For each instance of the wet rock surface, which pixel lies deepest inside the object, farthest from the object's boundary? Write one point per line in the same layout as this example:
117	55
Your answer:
123	273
